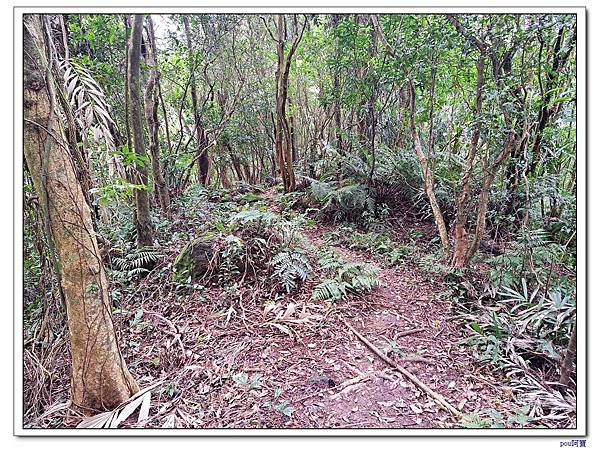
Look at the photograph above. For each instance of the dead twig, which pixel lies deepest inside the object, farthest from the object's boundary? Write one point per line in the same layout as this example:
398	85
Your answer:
438	398
409	332
350	383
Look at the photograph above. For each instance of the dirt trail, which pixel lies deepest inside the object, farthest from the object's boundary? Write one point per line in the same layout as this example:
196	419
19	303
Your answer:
408	300
315	375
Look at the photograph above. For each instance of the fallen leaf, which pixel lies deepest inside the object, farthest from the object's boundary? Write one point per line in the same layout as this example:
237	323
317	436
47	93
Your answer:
386	404
169	422
416	408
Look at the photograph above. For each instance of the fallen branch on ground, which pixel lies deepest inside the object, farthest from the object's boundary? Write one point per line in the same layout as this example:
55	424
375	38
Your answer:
438	398
407	332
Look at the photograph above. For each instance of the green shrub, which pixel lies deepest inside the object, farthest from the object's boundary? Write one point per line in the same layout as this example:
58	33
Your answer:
347	203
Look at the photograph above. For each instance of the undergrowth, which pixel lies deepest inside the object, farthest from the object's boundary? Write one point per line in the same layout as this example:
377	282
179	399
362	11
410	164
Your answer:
376	243
342	277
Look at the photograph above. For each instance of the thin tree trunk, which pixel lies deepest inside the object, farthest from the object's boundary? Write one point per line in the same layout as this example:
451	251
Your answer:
202	141
484	196
127	107
143	221
428	177
500	72
337	112
428	180
283	135
461	244
151	109
292	133
100	378
567	364
280	140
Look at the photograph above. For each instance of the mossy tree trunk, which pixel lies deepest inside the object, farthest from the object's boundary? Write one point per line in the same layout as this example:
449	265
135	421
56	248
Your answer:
100	378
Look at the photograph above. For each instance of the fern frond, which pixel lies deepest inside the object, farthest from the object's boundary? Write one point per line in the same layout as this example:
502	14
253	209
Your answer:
330	289
135	263
291	267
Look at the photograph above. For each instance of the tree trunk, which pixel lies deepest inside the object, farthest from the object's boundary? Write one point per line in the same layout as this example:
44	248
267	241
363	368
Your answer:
337	111
283	135
461	241
428	180
281	93
151	109
143	222
202	141
428	177
126	20
100	378
292	133
567	364
484	196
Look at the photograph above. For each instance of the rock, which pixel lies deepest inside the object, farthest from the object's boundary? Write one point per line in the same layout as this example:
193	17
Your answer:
491	247
193	261
249	197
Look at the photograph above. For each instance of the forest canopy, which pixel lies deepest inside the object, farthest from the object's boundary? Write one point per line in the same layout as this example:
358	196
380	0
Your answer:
236	220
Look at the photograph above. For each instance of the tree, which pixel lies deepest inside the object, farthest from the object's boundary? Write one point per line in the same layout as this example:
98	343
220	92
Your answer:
337	111
501	65
283	134
100	379
566	367
428	178
151	109
143	222
201	138
461	254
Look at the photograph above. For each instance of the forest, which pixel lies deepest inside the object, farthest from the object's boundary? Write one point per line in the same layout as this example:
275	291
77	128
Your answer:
299	221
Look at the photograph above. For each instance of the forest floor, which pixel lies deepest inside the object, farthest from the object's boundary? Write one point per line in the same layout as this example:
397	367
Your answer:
227	364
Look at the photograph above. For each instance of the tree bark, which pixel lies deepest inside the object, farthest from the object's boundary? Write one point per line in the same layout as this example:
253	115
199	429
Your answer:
100	379
143	221
151	109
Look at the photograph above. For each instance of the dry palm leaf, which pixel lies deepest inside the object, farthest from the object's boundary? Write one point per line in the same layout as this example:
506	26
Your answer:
112	419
